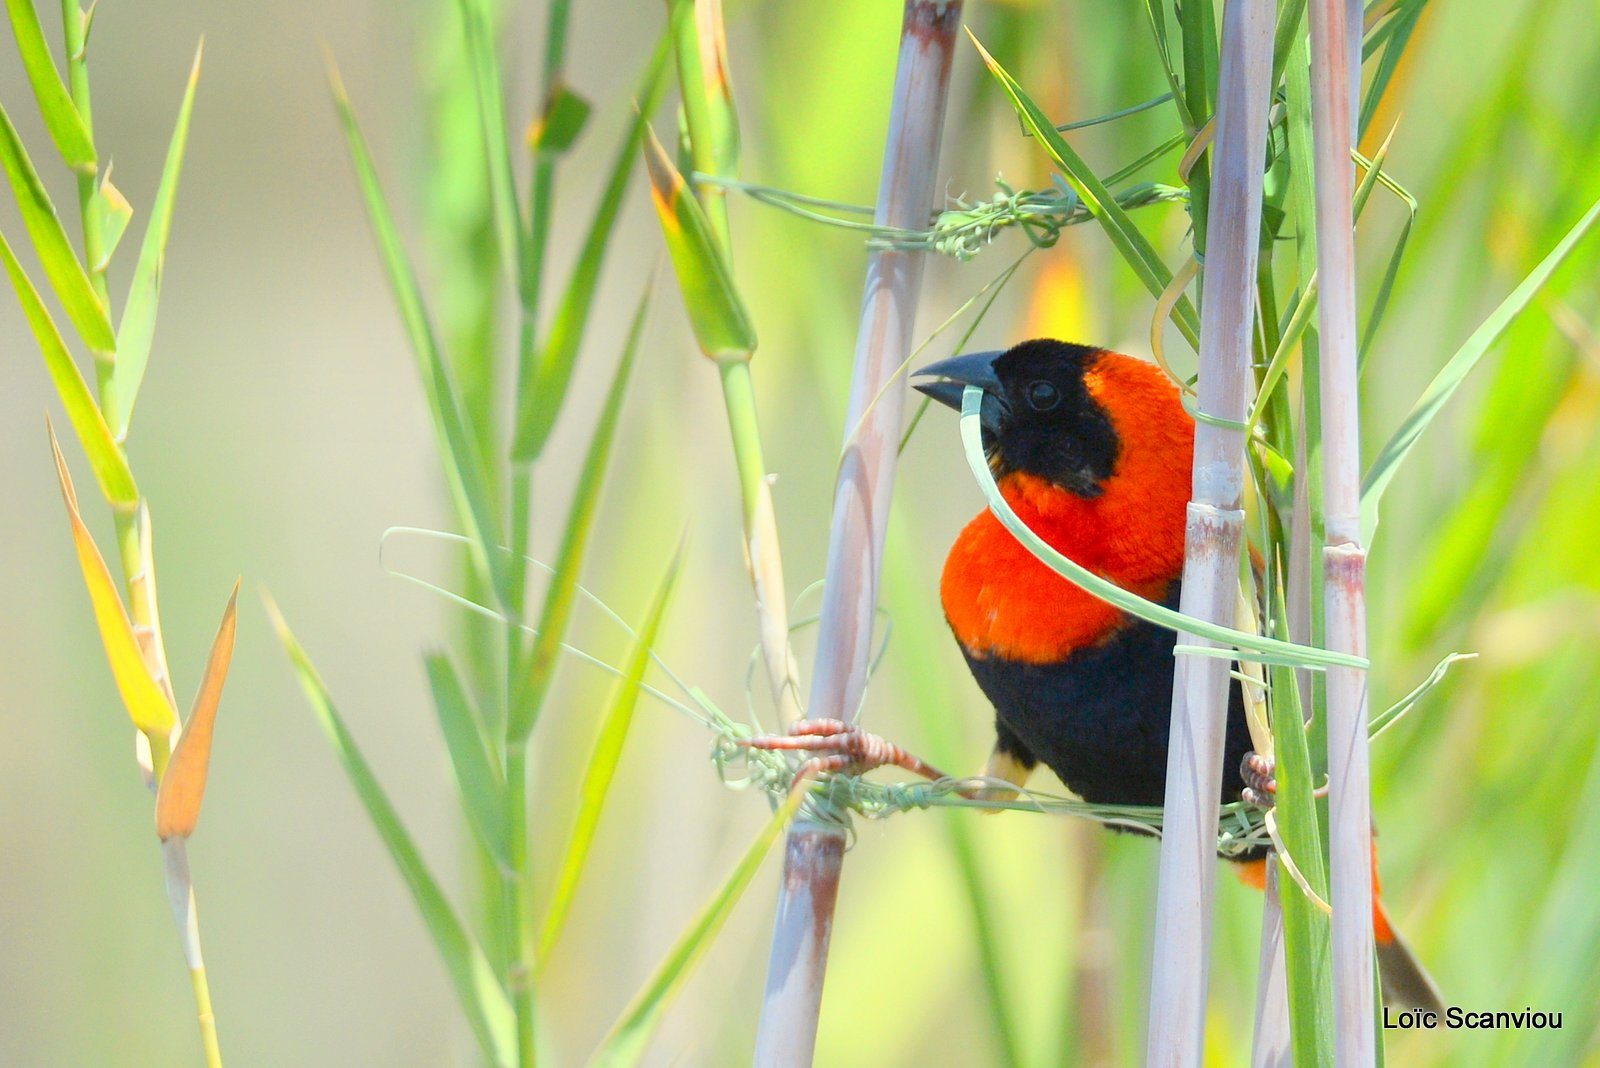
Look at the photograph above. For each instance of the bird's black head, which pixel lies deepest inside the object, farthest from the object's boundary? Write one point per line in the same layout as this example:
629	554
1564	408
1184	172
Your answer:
1038	416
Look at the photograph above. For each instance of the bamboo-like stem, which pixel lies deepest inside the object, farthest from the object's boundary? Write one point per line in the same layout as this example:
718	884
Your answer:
815	851
1335	69
180	896
520	968
1213	538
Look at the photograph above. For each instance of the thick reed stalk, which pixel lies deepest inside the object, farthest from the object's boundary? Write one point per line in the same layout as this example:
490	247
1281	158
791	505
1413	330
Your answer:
1215	527
1335	69
815	850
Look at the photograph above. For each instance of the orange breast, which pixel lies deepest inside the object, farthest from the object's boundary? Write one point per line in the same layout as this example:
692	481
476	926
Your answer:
1002	601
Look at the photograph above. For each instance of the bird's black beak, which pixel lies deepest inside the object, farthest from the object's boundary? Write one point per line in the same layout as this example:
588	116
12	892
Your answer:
959	372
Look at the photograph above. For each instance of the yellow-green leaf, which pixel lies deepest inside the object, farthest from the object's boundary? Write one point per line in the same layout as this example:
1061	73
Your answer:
60	115
105	455
614	723
141	694
111	212
720	322
50	242
137	328
183	787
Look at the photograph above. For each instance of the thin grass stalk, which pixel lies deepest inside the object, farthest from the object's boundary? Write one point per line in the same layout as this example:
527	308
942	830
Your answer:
1335	72
1213	538
814	850
133	536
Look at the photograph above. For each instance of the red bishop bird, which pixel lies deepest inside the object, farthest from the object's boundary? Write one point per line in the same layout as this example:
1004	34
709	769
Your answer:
1093	451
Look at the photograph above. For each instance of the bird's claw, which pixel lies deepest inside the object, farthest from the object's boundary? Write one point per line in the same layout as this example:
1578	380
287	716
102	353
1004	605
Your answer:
1261	782
838	747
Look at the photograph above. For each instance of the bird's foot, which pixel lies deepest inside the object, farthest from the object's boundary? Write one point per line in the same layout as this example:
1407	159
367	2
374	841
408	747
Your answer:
836	746
1261	782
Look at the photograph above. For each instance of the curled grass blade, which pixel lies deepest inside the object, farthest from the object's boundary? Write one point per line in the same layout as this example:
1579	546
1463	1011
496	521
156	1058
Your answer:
602	766
1455	371
1127	238
464	465
721	325
541	400
479	777
1245	645
563	589
60	262
105	456
61	118
626	1043
147	705
137	328
483	999
183	787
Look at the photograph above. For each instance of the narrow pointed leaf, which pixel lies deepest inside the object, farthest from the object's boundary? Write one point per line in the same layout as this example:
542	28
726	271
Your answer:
478	776
558	126
626	1043
538	407
464	465
721	325
562	592
1455	371
141	694
111	211
61	117
1128	239
183	787
50	242
484	67
105	456
483	999
602	767
137	329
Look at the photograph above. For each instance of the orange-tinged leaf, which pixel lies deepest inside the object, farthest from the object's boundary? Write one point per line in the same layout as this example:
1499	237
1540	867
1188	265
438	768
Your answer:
721	325
147	705
183	787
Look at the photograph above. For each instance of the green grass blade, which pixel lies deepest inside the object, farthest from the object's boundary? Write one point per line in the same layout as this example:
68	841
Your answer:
1455	371
1307	933
111	212
105	457
50	243
483	1000
1242	641
626	1043
479	777
60	116
721	324
137	329
563	590
464	466
1127	238
602	767
485	70
541	400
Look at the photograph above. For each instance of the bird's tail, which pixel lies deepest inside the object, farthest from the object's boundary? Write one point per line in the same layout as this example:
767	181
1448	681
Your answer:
1406	983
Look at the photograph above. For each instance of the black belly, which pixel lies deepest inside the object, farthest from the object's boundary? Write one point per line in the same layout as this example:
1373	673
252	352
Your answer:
1100	719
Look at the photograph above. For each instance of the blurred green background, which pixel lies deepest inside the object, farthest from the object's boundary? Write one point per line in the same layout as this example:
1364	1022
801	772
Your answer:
282	429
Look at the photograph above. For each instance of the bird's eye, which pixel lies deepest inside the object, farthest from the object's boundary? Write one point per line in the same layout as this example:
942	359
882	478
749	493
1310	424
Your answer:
1042	396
